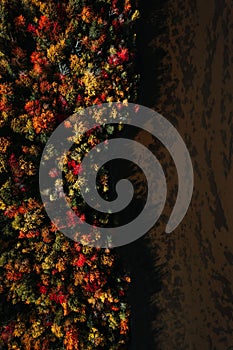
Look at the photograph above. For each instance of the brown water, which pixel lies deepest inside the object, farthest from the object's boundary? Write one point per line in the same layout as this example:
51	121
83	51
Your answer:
194	90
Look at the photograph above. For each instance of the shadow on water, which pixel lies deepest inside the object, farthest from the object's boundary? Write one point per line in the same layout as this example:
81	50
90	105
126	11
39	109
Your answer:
138	258
151	24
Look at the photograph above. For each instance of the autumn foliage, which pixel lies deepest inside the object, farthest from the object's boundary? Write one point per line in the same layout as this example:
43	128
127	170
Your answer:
57	58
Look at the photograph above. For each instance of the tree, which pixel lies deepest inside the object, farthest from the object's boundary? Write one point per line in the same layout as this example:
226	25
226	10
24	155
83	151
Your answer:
56	293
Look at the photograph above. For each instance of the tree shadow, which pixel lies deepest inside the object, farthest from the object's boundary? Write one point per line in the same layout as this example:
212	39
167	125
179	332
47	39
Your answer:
139	258
151	24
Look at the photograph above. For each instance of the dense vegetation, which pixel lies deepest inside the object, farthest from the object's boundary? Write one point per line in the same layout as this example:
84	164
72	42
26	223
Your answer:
57	58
